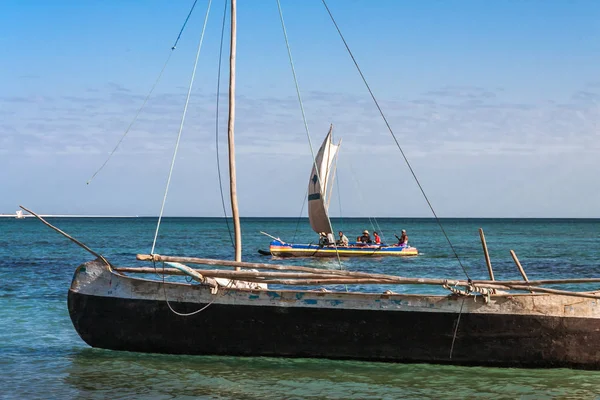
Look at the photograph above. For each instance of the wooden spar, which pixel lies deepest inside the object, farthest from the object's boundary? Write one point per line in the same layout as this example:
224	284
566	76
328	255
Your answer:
254	274
277	267
521	270
538	290
535	289
271	236
229	263
296	278
230	137
329	281
488	262
261	276
77	242
314	279
426	281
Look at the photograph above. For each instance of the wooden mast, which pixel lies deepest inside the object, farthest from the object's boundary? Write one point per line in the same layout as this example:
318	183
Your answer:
230	139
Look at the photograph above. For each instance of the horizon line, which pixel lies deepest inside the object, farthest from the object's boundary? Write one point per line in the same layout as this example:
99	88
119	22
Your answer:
272	217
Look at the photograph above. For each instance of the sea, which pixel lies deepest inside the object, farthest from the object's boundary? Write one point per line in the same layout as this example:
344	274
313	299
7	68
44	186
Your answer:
42	357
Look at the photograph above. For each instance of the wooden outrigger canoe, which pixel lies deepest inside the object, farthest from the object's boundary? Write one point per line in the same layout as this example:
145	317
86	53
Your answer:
111	310
318	204
235	313
475	324
281	249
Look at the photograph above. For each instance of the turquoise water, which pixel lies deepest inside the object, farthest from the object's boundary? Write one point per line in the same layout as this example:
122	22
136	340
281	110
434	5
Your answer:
41	355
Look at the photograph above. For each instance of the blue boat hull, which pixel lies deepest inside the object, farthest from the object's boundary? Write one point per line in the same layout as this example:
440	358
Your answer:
281	249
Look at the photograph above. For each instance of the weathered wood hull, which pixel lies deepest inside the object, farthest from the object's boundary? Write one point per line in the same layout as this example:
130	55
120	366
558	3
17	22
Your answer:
116	312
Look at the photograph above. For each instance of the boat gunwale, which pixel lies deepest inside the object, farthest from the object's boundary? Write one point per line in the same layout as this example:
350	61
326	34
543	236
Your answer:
316	292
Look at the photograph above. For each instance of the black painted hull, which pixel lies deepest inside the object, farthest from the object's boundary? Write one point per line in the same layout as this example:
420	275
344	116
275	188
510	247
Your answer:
376	335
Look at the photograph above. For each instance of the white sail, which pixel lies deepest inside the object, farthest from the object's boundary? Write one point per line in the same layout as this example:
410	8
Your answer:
317	186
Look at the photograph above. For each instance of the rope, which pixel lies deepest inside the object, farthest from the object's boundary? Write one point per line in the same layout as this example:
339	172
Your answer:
396	140
187	101
456	327
287	44
471	290
193	312
184	24
217	127
339	196
362	200
147	97
299	217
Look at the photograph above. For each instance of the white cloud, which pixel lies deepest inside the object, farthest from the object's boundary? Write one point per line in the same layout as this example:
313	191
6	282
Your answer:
459	134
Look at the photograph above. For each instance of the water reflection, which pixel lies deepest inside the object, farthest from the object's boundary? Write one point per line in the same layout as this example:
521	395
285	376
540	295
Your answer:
98	374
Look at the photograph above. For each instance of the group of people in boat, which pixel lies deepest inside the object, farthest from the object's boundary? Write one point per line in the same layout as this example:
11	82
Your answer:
327	239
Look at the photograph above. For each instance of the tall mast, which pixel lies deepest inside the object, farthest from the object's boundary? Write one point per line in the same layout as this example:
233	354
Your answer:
230	139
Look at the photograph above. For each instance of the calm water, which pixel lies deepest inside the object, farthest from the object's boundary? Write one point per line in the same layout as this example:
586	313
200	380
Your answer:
41	355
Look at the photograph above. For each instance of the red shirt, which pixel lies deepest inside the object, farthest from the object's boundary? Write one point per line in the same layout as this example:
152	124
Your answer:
377	239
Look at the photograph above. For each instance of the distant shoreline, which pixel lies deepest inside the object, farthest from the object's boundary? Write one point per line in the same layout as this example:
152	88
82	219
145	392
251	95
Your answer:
66	216
14	216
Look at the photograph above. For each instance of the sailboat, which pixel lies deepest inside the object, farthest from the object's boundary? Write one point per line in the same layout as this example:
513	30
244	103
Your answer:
319	194
487	322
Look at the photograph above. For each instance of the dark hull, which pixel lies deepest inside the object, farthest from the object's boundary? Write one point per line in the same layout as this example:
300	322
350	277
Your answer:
375	335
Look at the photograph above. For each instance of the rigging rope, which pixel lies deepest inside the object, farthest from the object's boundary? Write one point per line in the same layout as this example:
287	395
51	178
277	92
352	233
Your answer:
147	97
395	139
364	204
456	327
184	24
217	127
287	44
187	101
340	202
300	217
339	197
215	297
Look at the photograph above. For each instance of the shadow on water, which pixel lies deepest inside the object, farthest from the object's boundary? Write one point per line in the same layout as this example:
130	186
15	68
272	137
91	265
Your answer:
100	373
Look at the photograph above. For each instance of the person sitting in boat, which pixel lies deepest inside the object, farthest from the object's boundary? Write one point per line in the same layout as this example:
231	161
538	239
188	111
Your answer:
403	239
326	239
343	242
366	238
330	239
322	239
376	238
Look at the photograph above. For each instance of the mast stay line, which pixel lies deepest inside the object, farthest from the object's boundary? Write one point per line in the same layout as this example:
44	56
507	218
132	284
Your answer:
217	126
137	114
187	102
395	139
306	125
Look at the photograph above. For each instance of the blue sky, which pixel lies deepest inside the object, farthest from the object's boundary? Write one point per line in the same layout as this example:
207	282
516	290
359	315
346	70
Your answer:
496	104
